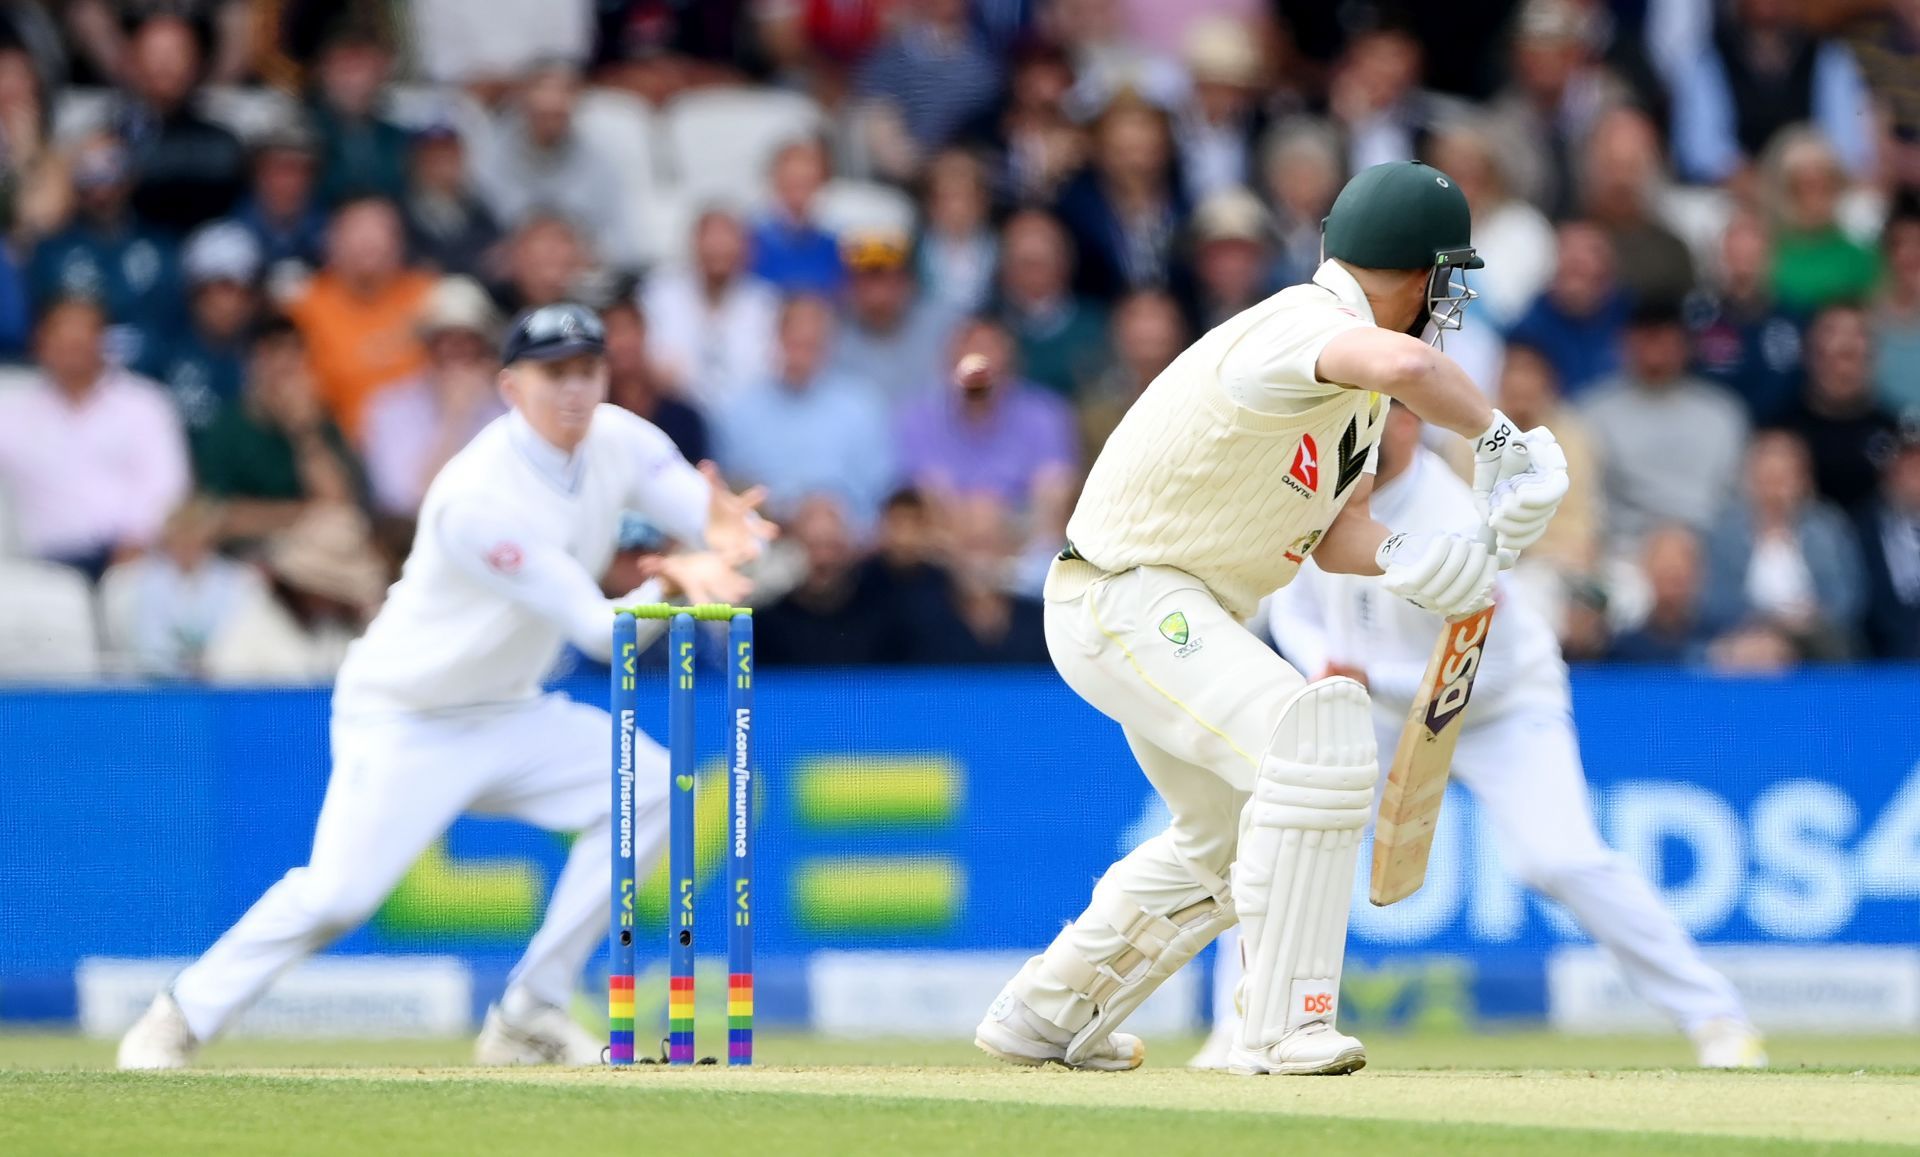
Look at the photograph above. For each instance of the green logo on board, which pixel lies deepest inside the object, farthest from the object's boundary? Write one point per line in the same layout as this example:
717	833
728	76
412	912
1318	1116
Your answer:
1174	627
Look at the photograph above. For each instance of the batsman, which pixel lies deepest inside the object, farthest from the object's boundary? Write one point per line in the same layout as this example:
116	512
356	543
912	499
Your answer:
1253	450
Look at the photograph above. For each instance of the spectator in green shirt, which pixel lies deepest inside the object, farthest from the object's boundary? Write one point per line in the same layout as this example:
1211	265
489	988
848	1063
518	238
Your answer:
275	454
1815	262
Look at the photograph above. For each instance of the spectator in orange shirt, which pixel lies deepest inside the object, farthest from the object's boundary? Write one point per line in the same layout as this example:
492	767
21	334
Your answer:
358	313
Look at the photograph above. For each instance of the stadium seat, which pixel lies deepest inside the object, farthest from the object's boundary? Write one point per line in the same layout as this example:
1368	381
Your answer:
248	113
621	128
78	111
721	139
46	623
846	205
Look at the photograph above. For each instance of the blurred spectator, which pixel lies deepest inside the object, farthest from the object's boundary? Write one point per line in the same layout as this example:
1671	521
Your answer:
836	615
162	611
1513	237
546	262
1674	630
202	362
326	583
993	433
1061	338
890	337
1558	88
107	256
790	250
98	30
1741	337
1149	331
806	430
1785	556
282	210
1127	207
538	160
360	152
710	325
958	253
1815	262
357	314
1886	46
188	170
1376	98
1890	546
448	226
1164	28
658	50
91	457
16	315
1846	430
1221	122
634	385
275	455
1670	444
413	427
1621	177
980	620
1301	172
33	187
1107	59
452	46
1579	319
1529	393
925	82
1036	144
1896	316
1230	257
1762	71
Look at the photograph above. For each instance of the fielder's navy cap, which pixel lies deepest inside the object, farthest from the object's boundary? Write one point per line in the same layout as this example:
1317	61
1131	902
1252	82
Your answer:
554	331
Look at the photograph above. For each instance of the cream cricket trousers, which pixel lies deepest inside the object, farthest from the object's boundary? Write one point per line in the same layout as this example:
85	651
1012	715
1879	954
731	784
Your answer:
398	783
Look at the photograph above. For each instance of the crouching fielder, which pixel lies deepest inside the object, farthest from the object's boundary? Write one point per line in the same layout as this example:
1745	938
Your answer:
438	709
1248	453
1517	753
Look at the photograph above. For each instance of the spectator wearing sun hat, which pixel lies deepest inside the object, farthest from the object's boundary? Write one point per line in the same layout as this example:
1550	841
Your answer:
891	336
203	363
414	426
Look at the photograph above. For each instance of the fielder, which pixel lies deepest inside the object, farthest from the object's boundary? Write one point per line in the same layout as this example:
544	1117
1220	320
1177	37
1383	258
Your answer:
1518	754
1247	454
438	709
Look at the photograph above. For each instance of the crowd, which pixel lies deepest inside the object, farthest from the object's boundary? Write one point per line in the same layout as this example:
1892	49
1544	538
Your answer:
258	254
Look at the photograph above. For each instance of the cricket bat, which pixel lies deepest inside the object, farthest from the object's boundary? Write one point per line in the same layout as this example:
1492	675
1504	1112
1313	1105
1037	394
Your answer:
1417	781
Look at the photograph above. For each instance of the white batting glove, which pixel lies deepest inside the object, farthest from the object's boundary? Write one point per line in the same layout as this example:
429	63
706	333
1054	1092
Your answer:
1448	574
1519	481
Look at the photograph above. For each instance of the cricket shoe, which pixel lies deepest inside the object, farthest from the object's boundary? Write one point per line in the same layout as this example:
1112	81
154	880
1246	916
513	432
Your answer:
1215	1052
1312	1050
1018	1035
540	1035
1726	1043
160	1039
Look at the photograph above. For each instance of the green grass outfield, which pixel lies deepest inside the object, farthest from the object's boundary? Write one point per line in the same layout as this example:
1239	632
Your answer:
1482	1095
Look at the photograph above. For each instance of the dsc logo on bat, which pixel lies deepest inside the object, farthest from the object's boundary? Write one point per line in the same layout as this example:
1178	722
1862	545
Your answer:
1453	681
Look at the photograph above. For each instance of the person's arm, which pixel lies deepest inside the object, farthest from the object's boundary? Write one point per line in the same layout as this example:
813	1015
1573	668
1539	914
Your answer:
1407	370
692	505
1351	543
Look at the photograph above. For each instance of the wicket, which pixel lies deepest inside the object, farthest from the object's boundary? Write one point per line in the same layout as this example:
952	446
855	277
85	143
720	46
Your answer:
681	749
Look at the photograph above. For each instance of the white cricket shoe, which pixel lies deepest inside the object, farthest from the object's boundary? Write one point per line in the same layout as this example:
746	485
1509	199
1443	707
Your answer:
542	1035
1018	1035
1726	1043
160	1039
1214	1052
1312	1050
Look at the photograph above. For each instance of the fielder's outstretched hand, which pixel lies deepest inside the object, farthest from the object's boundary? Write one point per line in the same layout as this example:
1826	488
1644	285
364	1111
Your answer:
704	577
735	530
1519	480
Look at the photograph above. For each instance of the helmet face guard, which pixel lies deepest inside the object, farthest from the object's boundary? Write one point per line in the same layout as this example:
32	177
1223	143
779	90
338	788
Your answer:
1447	296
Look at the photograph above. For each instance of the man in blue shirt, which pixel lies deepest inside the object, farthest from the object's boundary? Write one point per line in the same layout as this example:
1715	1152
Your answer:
203	364
790	250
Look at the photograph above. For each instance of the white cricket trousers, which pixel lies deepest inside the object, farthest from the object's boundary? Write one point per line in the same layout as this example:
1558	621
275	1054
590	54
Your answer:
1523	768
398	783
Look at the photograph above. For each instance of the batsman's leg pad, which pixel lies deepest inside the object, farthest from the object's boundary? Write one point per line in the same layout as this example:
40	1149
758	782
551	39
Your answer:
1299	836
1150	914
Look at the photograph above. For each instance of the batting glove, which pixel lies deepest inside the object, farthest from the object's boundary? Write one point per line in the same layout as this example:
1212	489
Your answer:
1449	574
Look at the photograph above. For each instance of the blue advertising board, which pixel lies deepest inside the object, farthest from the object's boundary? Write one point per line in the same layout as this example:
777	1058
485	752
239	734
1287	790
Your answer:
944	811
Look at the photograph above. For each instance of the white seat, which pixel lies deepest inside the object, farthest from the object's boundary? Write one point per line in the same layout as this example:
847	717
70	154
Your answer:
248	113
722	139
80	111
621	128
47	630
847	205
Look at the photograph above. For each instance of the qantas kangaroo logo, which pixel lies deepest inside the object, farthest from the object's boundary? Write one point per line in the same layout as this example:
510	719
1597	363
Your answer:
1306	465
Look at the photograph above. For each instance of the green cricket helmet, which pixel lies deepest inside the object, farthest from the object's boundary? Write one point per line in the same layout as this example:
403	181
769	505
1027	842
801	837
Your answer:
1407	215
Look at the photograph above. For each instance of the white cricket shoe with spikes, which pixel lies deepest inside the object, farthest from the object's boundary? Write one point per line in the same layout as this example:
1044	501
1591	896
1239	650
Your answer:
1312	1050
1726	1043
160	1039
1015	1034
541	1035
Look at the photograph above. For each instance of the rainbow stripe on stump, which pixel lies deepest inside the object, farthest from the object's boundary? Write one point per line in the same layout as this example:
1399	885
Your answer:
680	1020
620	1020
740	1019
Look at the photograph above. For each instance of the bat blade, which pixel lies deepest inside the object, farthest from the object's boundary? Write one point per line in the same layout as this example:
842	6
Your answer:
1417	781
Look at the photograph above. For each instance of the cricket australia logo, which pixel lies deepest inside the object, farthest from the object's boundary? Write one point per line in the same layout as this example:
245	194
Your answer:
1303	546
1174	629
